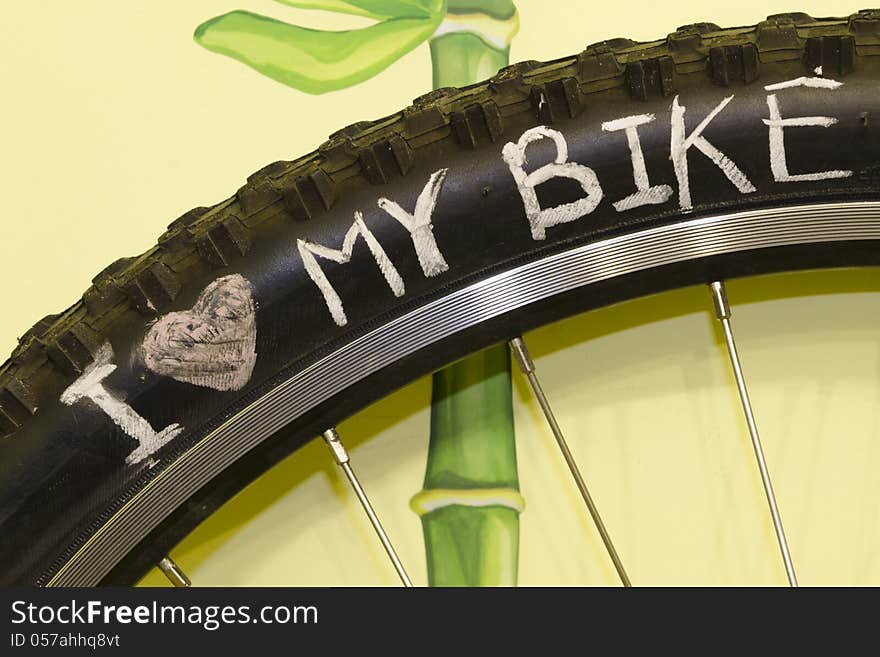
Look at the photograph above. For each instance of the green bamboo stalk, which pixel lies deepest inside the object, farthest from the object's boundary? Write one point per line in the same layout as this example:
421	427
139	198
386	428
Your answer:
470	501
460	59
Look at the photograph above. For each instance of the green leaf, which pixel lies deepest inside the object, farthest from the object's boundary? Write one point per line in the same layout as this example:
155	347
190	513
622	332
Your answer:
313	61
378	9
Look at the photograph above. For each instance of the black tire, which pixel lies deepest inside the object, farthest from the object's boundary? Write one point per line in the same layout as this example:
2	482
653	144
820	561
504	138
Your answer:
73	511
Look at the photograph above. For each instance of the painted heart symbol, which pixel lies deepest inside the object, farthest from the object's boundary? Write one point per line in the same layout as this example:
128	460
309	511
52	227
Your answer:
213	344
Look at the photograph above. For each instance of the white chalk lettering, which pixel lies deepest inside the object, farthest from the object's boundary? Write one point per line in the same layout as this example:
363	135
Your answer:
542	218
679	145
645	194
814	83
309	250
419	224
777	125
90	386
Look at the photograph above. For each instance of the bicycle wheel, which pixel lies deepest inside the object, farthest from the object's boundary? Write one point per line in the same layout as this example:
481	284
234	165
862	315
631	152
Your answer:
403	244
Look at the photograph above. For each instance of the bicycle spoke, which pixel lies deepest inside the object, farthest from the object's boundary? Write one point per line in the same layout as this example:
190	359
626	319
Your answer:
722	312
174	573
527	367
331	437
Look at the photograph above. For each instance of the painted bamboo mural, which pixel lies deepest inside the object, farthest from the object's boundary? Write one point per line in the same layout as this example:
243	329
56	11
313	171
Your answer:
474	41
470	502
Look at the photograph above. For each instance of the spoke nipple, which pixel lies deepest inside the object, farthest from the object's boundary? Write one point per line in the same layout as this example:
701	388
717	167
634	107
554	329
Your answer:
331	437
173	572
719	300
522	356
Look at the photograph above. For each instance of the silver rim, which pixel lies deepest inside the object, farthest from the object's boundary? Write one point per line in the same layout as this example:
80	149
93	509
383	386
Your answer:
558	273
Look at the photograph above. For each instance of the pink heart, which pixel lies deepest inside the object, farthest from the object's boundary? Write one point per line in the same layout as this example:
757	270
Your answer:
213	344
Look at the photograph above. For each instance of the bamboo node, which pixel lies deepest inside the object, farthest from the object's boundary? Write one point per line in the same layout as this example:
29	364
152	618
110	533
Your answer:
494	32
426	501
